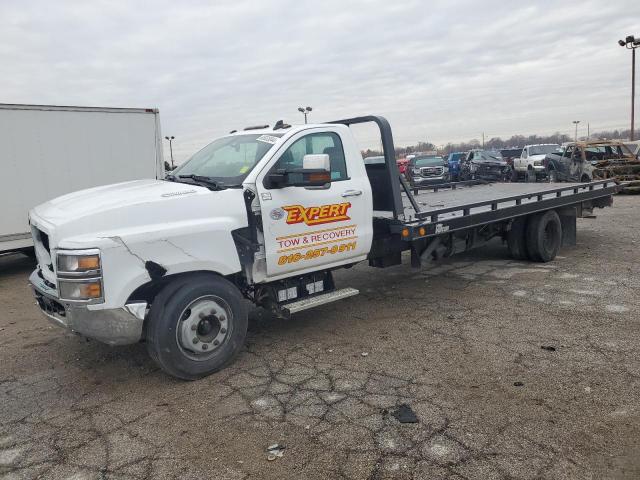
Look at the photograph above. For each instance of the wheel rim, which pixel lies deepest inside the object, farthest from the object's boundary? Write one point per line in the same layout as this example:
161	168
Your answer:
203	327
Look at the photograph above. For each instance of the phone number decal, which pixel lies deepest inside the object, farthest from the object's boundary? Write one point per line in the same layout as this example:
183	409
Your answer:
316	252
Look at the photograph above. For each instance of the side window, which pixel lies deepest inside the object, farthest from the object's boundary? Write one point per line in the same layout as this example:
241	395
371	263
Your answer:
525	153
316	143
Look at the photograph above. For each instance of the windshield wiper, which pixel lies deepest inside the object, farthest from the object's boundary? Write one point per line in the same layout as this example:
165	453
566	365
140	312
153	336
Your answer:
206	181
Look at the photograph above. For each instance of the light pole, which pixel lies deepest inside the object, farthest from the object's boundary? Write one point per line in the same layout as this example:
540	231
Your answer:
576	122
631	43
305	111
171	149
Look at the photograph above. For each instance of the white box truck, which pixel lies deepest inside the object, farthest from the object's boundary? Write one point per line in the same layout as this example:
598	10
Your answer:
47	151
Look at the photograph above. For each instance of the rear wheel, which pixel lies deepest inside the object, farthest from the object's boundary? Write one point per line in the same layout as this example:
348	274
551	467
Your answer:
544	236
585	178
516	239
197	325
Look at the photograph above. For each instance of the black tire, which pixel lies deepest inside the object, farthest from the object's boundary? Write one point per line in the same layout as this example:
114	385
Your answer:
544	236
585	178
517	240
531	176
168	312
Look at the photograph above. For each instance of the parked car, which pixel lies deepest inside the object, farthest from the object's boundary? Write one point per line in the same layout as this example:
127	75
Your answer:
485	165
530	165
453	160
427	170
402	165
593	160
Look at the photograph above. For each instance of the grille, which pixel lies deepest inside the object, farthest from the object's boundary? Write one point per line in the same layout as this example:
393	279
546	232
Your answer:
431	171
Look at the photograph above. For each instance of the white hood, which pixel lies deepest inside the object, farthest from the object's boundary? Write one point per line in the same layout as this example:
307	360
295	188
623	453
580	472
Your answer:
113	208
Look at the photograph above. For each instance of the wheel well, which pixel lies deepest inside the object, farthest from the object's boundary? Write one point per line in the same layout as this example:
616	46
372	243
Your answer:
585	178
148	291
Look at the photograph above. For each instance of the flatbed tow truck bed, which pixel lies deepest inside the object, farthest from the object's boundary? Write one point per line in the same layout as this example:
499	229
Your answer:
466	205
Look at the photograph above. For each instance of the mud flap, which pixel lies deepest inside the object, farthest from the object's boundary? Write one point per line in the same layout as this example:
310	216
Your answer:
568	221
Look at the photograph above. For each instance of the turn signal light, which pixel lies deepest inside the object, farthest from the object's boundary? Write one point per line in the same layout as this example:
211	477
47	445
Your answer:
405	232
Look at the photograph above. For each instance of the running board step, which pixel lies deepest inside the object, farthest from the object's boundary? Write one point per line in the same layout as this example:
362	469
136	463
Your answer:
316	301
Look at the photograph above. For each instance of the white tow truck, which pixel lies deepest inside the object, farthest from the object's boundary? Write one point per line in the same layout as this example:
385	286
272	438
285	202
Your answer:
266	214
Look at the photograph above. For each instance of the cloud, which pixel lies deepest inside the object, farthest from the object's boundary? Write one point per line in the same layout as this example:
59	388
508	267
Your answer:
439	71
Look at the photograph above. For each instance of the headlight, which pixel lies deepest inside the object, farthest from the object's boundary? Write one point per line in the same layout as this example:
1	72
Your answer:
71	263
80	289
537	163
79	275
416	171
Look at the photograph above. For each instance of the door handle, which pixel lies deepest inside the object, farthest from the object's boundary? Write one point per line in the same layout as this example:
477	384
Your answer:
351	193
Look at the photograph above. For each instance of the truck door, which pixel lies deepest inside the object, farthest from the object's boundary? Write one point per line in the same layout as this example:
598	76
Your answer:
310	227
576	164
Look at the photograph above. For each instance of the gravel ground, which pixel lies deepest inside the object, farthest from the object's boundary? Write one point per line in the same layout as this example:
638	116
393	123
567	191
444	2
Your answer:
460	343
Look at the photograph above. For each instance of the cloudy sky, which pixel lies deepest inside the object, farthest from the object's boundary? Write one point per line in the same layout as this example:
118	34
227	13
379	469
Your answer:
439	71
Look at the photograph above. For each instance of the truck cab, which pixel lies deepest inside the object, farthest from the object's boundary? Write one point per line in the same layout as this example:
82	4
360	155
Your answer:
245	214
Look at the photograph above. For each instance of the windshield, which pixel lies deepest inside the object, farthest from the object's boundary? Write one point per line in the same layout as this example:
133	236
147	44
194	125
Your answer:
543	149
492	156
229	159
428	161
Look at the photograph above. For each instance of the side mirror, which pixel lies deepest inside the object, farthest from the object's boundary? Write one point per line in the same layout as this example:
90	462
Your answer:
315	172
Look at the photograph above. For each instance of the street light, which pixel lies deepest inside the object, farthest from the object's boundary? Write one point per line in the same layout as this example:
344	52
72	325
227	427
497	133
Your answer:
305	111
576	122
631	43
171	148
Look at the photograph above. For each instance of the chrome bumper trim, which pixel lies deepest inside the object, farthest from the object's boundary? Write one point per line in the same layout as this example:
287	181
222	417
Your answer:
114	326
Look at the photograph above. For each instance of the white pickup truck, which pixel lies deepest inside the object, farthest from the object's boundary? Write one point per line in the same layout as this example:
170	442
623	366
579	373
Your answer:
265	214
530	165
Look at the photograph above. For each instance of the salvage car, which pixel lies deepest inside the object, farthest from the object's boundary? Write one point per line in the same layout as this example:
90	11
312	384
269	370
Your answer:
485	165
593	160
427	170
453	160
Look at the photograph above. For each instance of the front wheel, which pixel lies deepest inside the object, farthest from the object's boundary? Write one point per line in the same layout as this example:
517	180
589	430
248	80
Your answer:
552	176
197	325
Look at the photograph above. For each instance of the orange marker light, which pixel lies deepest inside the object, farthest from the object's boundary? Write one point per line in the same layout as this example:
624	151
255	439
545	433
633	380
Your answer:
89	263
422	231
405	232
91	290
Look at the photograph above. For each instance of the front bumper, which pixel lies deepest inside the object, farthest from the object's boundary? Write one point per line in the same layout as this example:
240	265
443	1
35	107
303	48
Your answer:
114	326
430	180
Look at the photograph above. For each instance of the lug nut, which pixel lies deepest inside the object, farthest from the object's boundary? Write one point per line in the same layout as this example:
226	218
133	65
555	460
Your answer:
223	330
193	327
216	342
222	318
205	346
195	340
